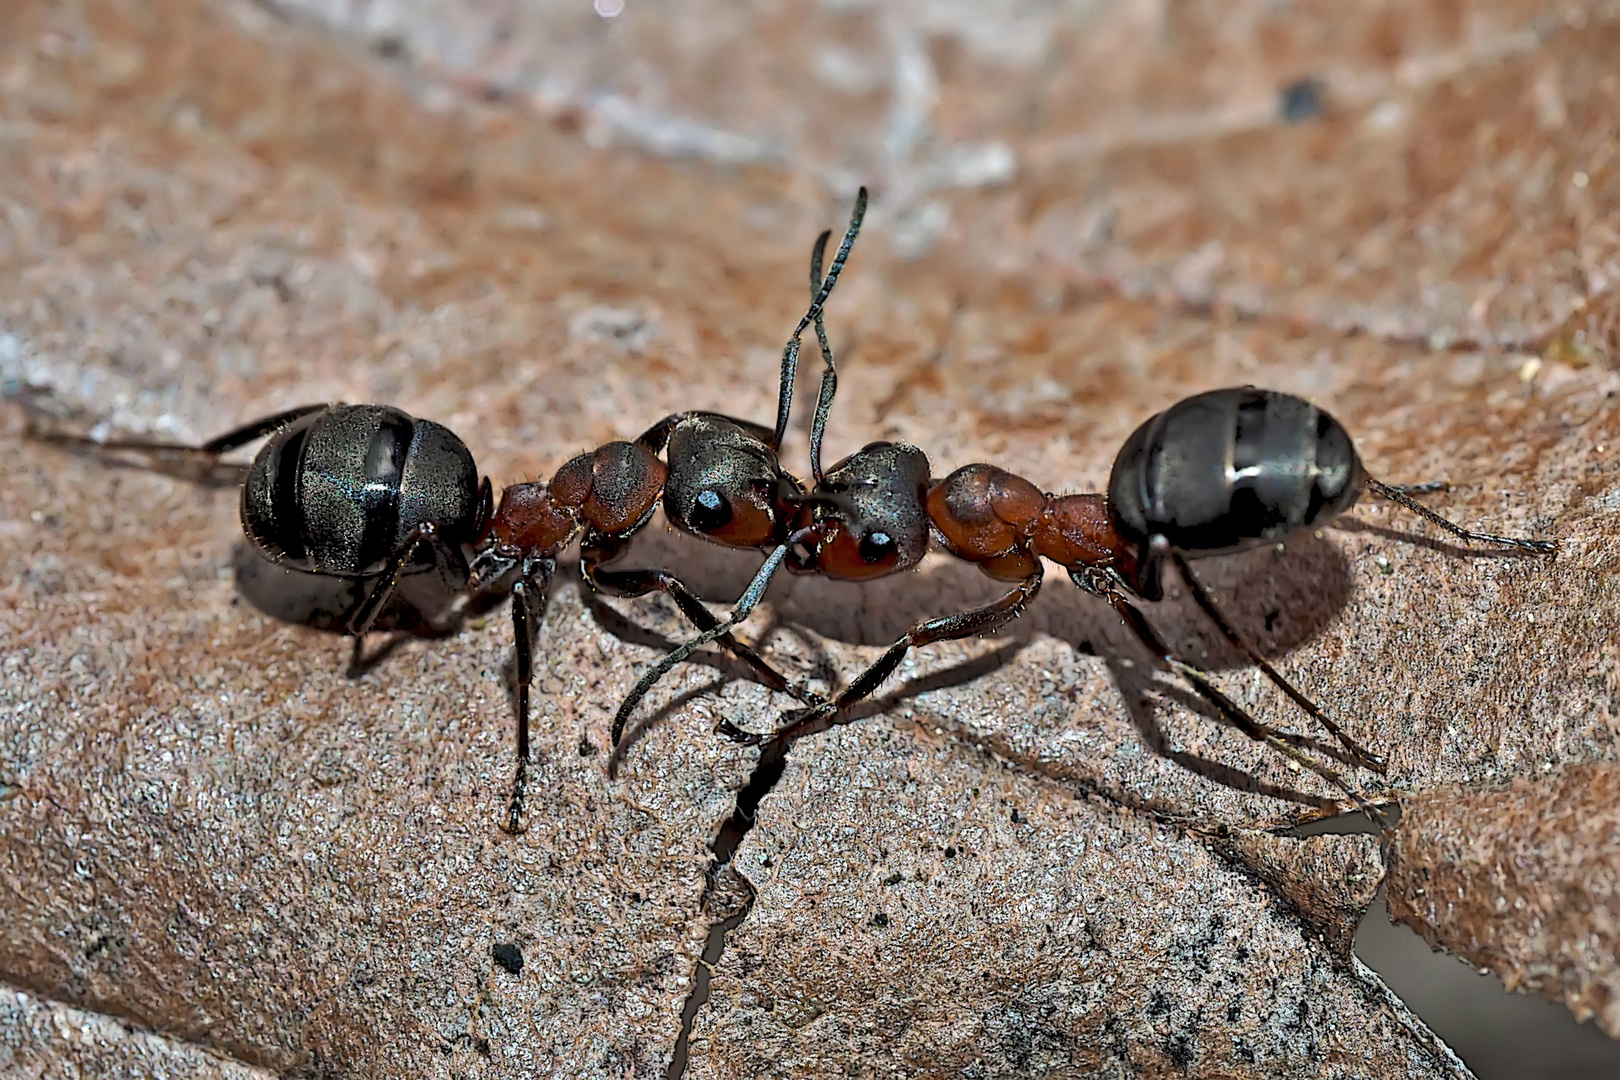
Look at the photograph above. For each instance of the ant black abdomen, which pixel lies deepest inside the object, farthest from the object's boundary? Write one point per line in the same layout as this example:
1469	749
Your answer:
360	492
339	490
1228	470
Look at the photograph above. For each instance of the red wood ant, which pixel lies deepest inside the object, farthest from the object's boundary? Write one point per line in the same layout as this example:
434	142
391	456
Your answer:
371	493
1214	474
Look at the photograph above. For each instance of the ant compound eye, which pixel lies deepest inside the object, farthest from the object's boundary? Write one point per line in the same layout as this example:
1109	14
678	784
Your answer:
711	511
876	547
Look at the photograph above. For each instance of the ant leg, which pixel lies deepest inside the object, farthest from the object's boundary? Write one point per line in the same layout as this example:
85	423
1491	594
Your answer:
982	620
222	444
633	583
199	456
1362	756
1234	713
790	355
364	615
257	429
529	594
745	607
1399	495
1428	488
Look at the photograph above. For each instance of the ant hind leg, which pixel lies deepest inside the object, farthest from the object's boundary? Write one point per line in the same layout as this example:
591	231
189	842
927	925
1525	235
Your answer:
1359	754
199	463
1402	496
1229	709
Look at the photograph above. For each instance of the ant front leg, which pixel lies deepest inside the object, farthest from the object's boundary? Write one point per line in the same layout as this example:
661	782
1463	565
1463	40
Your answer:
982	620
745	606
529	595
597	549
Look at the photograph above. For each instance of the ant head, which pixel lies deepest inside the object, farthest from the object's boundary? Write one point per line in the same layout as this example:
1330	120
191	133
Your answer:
726	485
867	517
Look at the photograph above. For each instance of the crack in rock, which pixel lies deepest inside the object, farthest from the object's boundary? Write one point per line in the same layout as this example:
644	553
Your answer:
727	894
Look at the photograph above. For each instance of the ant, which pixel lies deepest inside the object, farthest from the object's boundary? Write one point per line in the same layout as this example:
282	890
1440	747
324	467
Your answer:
370	493
1215	474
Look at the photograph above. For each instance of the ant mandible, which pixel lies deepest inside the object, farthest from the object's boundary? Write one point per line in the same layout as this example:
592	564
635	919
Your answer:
369	492
1215	474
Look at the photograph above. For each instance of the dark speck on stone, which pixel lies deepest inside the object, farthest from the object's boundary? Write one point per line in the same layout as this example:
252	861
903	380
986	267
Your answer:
880	919
1300	101
508	956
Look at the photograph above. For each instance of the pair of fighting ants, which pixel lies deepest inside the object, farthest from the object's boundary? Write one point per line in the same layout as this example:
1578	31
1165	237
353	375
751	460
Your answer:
370	493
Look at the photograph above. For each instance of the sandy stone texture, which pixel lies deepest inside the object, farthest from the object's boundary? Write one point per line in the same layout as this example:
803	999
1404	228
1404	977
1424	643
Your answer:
547	230
1521	880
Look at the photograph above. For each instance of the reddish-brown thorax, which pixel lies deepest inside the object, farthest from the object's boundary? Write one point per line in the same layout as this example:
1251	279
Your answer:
611	489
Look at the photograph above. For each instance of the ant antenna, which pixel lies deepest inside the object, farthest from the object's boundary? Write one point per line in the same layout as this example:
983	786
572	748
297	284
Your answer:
1399	495
790	355
819	289
829	374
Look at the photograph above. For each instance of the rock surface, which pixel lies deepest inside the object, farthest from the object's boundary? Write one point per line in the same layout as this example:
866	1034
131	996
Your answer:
1033	853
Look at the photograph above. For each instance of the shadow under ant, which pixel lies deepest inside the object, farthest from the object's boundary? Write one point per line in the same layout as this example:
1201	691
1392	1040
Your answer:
424	605
1137	686
1137	690
1277	597
1277	600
